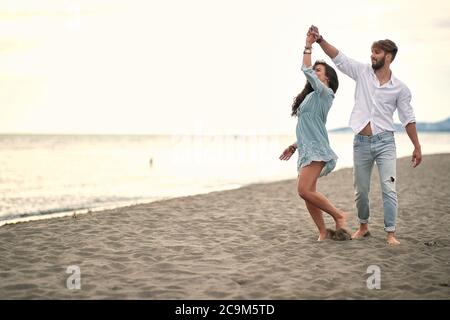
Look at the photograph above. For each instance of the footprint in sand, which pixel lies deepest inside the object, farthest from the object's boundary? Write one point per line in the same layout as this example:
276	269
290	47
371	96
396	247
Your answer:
338	235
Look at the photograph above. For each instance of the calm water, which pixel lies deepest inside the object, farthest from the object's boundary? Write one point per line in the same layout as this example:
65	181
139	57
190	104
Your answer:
50	175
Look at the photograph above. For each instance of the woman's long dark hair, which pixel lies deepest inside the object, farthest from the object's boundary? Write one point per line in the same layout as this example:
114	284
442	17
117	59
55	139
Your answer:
332	80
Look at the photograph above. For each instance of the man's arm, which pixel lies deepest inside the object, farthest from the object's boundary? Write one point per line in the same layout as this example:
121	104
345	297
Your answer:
346	65
329	50
412	134
408	120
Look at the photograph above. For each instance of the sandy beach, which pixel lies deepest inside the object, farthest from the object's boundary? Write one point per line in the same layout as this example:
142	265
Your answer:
256	242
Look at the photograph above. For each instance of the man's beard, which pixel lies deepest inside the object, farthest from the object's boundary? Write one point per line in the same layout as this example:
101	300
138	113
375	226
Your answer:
379	64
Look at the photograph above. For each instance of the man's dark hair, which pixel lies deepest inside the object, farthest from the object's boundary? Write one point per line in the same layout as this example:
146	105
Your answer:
387	46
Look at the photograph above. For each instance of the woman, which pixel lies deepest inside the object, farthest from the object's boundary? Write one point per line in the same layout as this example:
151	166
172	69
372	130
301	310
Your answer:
316	158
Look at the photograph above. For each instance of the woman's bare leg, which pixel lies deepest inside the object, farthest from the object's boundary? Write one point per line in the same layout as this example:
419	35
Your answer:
317	216
306	189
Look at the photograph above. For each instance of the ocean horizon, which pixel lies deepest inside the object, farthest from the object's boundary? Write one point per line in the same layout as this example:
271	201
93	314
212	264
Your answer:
48	175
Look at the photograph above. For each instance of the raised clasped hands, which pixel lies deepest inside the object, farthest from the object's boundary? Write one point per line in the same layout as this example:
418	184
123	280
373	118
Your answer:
313	32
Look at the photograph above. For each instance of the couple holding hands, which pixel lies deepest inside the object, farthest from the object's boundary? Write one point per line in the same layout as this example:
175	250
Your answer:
377	95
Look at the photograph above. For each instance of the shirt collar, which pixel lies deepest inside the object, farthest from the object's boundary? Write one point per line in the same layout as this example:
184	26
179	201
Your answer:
391	81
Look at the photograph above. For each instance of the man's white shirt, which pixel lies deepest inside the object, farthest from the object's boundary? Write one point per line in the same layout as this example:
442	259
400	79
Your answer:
374	103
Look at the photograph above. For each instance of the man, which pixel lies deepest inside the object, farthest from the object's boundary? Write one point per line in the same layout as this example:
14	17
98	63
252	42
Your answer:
377	95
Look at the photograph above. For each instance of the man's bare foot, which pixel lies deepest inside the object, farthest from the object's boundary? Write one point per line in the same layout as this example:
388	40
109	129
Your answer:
362	232
341	222
391	240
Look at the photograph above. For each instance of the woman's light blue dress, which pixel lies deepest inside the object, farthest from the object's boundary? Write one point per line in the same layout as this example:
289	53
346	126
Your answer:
312	136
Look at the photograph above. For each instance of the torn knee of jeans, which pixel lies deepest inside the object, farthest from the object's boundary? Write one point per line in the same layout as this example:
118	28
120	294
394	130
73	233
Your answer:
388	180
388	183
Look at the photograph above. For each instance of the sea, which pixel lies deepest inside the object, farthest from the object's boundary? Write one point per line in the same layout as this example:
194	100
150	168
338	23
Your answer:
47	176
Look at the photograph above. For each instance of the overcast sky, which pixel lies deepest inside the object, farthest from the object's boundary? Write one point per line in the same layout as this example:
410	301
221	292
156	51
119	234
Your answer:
201	66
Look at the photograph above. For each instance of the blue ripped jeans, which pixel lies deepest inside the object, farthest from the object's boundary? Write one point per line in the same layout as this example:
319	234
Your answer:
379	149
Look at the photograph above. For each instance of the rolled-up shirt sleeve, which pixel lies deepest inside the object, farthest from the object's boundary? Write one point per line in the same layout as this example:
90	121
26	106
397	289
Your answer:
311	76
404	108
348	66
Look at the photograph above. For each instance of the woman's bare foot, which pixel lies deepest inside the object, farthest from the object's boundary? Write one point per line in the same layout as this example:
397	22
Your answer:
327	234
362	232
341	222
391	240
322	236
